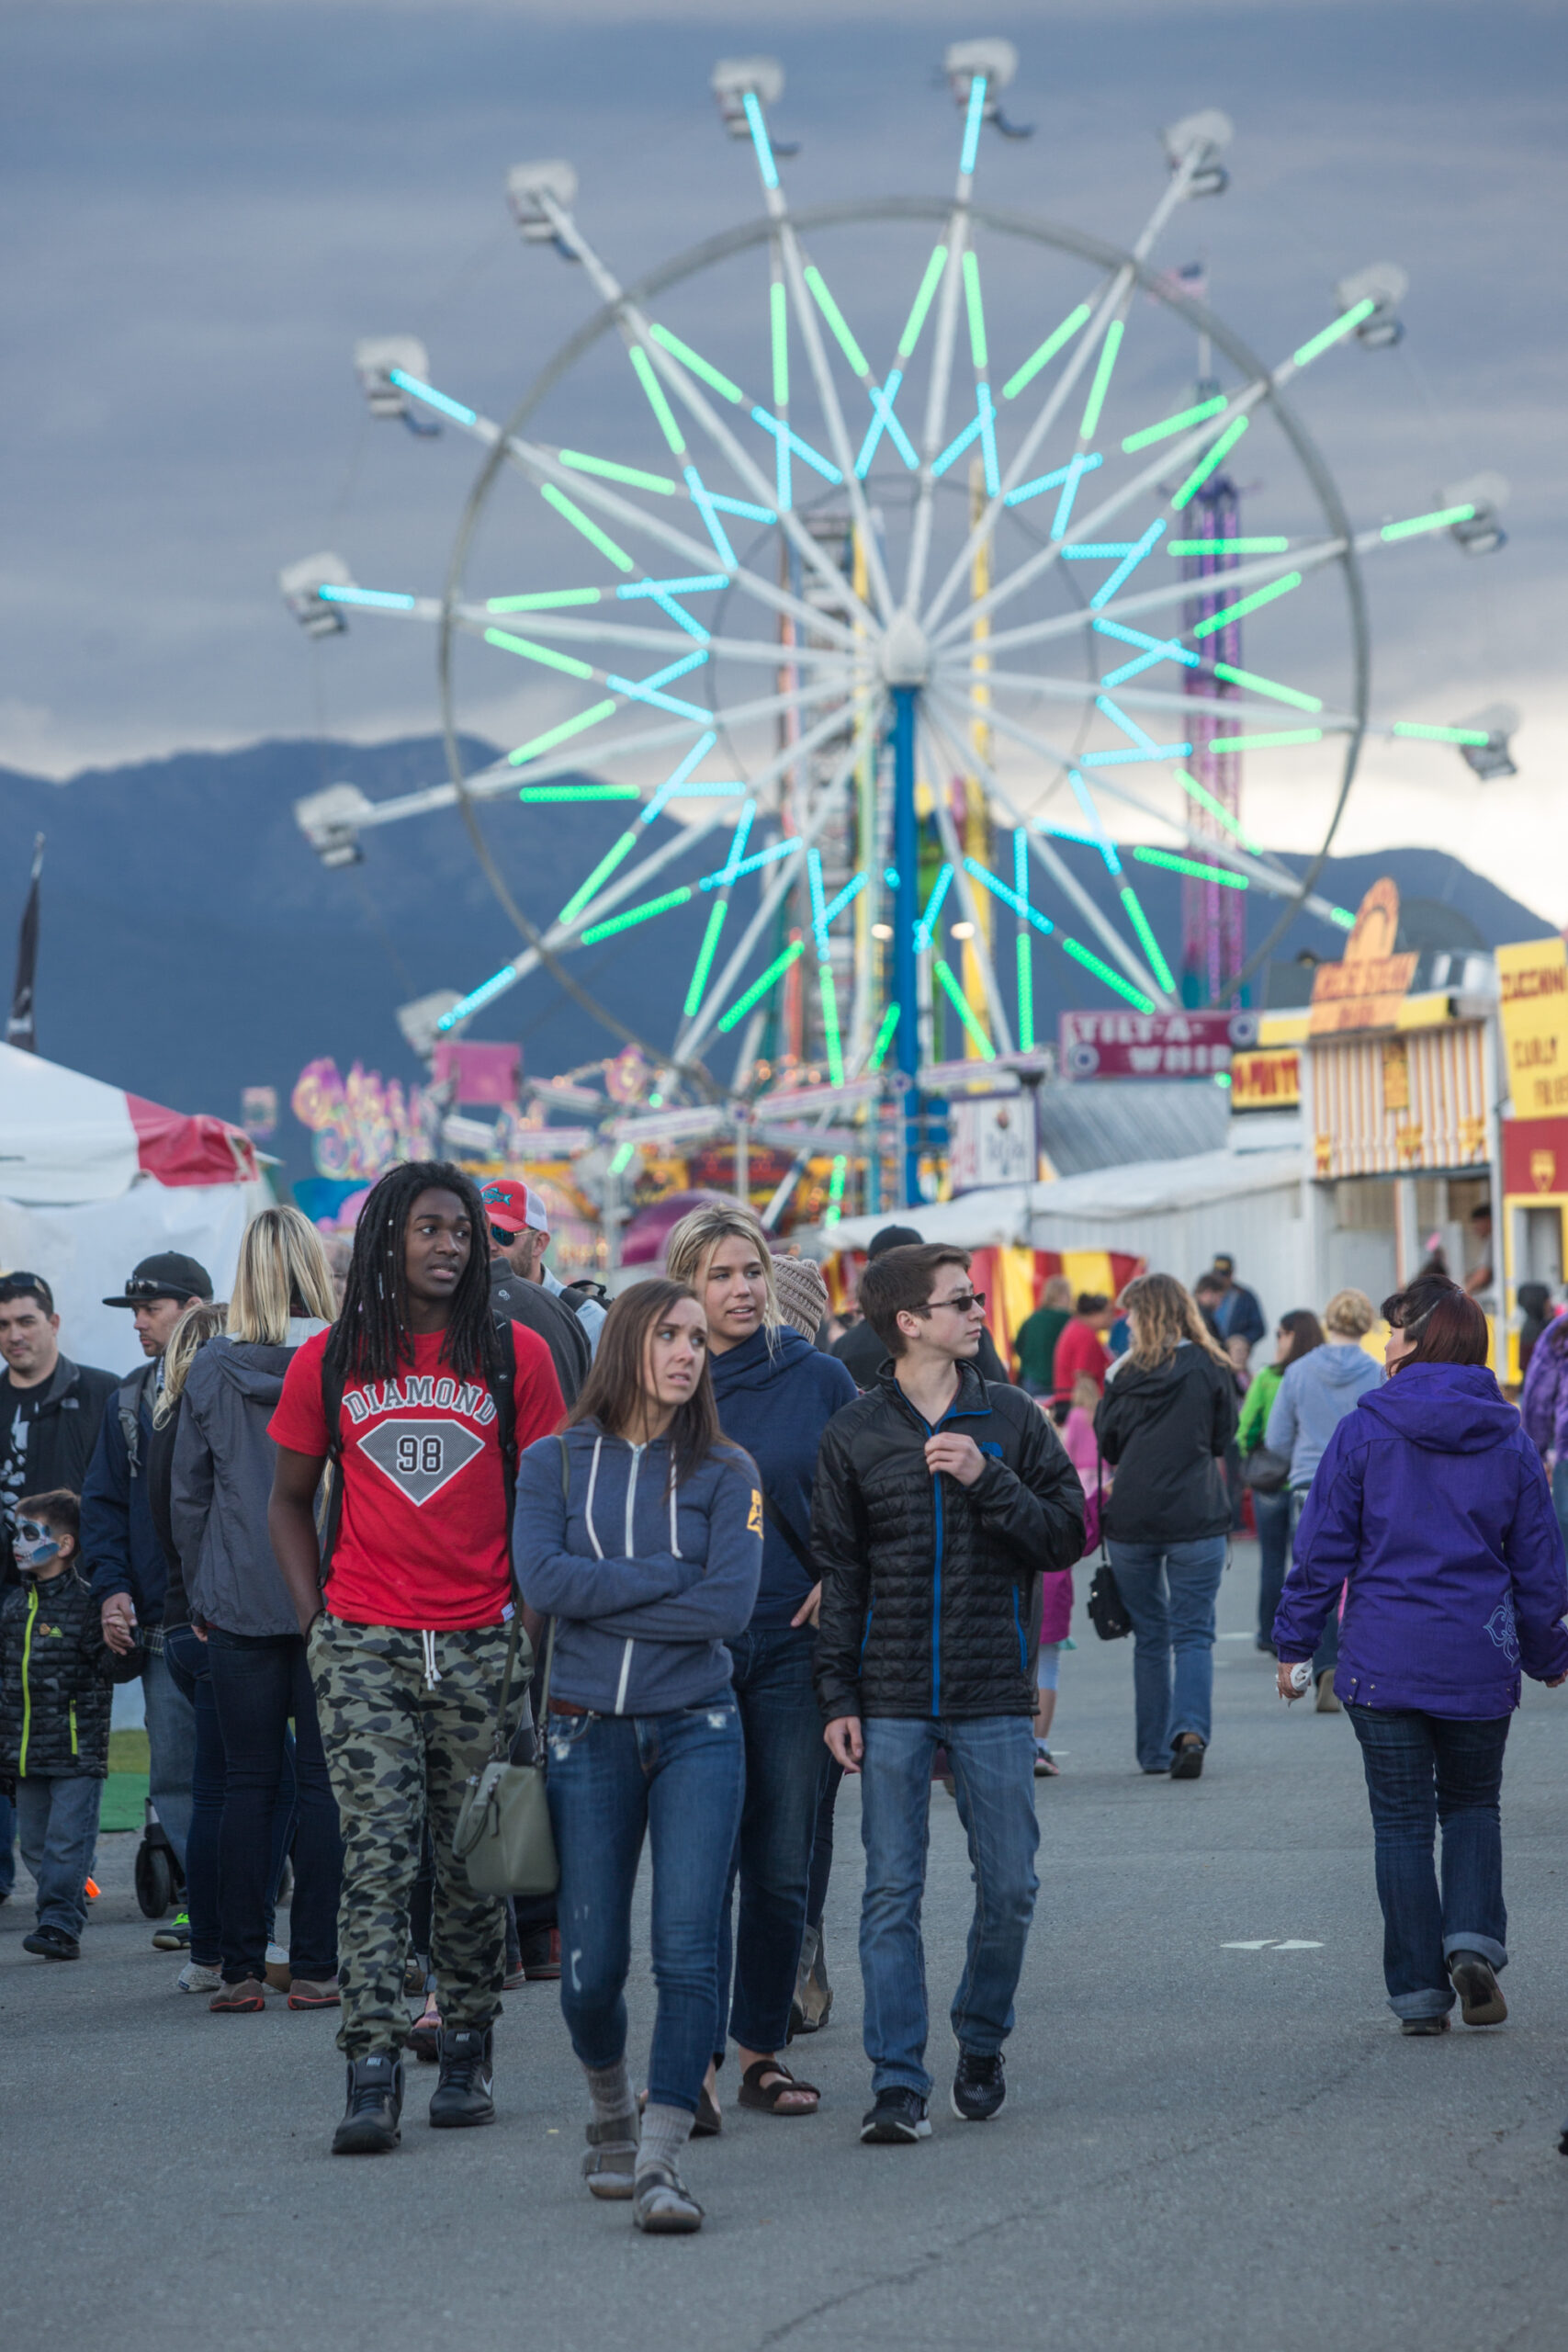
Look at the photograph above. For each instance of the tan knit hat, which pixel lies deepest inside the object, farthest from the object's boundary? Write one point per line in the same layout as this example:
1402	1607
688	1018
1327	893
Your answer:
803	1294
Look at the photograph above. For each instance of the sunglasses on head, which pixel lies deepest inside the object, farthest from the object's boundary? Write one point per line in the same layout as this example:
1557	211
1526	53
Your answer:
23	1285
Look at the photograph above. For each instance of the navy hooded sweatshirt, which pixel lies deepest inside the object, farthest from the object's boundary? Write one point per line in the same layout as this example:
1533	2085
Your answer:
776	1394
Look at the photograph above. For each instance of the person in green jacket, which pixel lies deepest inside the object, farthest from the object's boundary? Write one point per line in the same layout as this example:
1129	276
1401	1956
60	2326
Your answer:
1036	1345
1299	1333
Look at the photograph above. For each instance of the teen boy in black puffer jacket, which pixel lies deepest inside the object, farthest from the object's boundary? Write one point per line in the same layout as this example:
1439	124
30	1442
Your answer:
939	1499
55	1697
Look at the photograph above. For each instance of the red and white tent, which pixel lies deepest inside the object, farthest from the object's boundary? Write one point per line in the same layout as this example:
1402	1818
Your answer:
92	1179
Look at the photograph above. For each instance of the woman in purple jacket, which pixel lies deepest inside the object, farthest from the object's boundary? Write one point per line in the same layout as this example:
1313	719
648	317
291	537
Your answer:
1431	1506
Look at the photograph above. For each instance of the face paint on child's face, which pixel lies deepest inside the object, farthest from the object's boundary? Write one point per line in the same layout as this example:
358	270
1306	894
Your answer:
34	1546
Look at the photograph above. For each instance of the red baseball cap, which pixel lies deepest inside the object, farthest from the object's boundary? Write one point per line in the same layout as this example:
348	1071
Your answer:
513	1207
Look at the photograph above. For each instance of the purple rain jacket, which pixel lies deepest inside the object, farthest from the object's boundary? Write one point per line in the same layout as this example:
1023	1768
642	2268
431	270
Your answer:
1431	1506
1543	1401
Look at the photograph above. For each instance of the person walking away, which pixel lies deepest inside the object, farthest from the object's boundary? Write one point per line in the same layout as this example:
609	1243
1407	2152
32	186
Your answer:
1056	1602
519	1233
1536	1312
241	1606
422	1396
640	1531
55	1696
1543	1409
774	1396
1314	1396
1236	1312
121	1552
939	1499
1163	1425
1299	1333
1036	1345
860	1346
1081	1348
1430	1511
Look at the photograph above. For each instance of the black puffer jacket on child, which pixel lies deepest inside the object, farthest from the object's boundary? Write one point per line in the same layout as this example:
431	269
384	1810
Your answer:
55	1692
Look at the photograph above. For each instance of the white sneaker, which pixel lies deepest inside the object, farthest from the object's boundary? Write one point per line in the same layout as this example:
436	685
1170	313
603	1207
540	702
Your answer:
193	1978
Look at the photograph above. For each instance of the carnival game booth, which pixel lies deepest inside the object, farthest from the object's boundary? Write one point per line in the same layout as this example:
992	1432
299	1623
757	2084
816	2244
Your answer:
92	1179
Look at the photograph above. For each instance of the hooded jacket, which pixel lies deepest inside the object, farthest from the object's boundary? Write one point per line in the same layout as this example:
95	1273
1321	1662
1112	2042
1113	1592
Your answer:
120	1551
775	1396
1313	1398
1165	1427
646	1579
62	1432
222	1484
55	1693
1431	1506
1543	1402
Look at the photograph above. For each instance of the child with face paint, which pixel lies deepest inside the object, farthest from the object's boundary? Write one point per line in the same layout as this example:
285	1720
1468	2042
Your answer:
55	1696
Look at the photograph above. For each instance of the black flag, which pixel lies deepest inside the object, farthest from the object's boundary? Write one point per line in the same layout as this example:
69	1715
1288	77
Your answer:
19	1028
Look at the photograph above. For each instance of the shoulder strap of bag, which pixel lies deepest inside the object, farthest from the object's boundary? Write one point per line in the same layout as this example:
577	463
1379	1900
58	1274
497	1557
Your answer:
502	1371
776	1518
128	1406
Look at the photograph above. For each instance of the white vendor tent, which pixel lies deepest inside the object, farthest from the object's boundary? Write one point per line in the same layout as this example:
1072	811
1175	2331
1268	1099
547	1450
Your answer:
92	1179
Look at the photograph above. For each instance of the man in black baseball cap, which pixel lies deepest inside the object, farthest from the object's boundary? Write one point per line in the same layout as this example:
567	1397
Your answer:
169	1274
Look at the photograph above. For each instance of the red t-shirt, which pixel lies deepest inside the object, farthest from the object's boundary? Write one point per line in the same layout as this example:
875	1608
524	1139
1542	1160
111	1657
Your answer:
421	1540
1079	1349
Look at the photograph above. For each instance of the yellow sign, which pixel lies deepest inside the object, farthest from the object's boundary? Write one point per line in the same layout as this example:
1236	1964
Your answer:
1266	1082
1533	982
1366	990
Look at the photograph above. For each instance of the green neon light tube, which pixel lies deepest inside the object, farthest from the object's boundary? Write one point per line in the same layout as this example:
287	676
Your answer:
1418	522
1227	547
830	1023
1169	424
976	310
1191	866
1266	686
1206	463
1284	741
836	320
532	653
1101	383
1343	917
760	987
1249	604
704	964
1331	335
542	792
696	363
645	913
623	1159
571	512
922	301
1419	734
634	475
568	727
600	874
1047	351
1025	994
1151	945
1102	971
964	1009
1217	809
778	315
546	601
836	1182
884	1037
656	400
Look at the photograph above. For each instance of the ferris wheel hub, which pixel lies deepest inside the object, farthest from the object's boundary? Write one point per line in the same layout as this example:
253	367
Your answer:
904	656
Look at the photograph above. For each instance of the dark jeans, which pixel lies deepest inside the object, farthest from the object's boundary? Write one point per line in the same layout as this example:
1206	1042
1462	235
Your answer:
822	1844
258	1681
786	1756
676	1779
185	1654
1326	1658
1272	1513
1423	1769
57	1818
7	1846
1168	1589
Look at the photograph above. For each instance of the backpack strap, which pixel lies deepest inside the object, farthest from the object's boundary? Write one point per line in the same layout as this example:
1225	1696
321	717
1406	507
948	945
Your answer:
500	1372
128	1407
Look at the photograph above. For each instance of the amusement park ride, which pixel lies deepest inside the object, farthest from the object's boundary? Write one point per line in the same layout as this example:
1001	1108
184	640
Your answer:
910	603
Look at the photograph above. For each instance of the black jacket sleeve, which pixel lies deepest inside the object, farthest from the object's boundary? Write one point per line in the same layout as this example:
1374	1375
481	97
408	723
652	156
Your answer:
1111	1422
1227	1410
1035	1511
839	1547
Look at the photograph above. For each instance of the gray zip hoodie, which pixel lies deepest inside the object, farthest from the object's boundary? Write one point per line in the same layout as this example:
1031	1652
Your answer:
223	1483
1313	1398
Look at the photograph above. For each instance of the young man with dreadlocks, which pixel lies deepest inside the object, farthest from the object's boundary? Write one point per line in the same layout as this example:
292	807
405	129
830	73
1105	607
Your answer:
422	1399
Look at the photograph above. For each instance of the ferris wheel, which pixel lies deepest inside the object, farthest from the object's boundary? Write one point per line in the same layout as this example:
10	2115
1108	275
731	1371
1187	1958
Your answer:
892	623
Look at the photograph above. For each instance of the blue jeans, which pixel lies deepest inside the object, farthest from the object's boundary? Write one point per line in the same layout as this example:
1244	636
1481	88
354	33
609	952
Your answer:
58	1819
1169	1591
676	1779
993	1779
822	1844
7	1846
258	1681
185	1655
785	1758
171	1742
1423	1769
1272	1513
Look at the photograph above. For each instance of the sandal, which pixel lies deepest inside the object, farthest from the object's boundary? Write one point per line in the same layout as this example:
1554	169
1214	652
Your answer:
706	2124
661	2202
754	2093
610	2163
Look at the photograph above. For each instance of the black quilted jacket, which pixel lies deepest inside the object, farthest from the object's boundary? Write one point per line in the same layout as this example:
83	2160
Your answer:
55	1693
927	1585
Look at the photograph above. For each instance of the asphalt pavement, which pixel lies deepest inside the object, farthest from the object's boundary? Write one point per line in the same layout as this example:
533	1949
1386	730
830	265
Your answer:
1214	2137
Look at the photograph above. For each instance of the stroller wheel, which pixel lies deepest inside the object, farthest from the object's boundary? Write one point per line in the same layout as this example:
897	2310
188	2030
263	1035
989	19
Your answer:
154	1880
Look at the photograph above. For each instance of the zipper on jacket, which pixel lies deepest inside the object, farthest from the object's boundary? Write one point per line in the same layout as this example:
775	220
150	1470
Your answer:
1023	1643
27	1685
935	1477
74	1748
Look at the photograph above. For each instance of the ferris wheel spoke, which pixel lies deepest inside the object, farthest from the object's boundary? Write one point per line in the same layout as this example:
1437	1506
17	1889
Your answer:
1278	576
484	619
1151	698
978	946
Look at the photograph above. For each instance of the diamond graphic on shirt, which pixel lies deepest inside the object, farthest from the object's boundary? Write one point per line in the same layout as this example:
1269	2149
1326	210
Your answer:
420	1457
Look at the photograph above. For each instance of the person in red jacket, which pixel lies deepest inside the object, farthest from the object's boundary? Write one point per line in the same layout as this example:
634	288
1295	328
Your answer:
1081	1348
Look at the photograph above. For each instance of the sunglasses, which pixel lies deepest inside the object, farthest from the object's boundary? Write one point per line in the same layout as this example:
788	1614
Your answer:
25	1286
963	1302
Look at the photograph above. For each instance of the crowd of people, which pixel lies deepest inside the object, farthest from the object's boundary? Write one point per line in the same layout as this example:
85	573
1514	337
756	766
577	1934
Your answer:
358	1534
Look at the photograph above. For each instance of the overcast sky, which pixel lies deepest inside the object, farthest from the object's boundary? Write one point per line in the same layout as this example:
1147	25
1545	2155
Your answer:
206	203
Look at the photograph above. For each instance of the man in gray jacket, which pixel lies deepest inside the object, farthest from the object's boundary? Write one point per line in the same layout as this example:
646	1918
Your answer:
1313	1398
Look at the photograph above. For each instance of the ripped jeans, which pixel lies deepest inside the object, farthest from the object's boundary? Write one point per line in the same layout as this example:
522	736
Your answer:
678	1778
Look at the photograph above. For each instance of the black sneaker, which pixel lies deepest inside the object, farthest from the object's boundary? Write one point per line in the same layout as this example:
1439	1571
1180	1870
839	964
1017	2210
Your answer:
372	2121
1187	1761
53	1943
175	1936
1475	1981
979	2086
898	2115
463	2094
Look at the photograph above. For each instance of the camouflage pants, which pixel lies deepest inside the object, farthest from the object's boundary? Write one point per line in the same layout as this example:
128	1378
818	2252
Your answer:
399	1748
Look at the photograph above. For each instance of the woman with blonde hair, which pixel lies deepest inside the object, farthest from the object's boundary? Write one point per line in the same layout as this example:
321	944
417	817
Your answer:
1315	1393
1165	1422
222	1480
775	1396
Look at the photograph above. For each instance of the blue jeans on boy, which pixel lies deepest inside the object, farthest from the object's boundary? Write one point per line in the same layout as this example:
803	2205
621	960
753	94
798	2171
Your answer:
1423	1769
57	1816
1168	1589
676	1779
785	1759
993	1779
